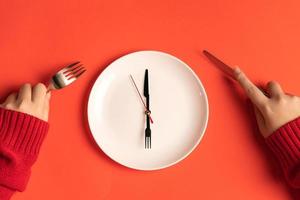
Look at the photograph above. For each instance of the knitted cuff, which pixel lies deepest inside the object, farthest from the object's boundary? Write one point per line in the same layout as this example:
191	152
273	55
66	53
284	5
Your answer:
21	132
21	136
285	144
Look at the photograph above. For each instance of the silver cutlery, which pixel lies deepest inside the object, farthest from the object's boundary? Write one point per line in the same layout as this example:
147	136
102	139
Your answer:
66	76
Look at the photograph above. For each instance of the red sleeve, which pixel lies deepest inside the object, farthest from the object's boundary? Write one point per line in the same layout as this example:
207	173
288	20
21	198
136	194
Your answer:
285	144
21	136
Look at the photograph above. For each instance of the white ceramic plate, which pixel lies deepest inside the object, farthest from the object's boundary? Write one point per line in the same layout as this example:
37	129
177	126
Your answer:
178	103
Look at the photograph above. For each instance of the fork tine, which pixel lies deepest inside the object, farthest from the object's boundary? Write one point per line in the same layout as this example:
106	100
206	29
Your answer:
80	73
72	69
78	70
71	65
76	74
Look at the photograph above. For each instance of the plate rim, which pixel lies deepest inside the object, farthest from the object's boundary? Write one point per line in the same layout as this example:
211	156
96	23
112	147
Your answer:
203	93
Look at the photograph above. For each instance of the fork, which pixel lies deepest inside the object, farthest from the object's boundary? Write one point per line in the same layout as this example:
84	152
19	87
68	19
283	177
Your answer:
66	76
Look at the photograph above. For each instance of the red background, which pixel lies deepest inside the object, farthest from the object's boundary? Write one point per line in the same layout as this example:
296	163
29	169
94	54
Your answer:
261	36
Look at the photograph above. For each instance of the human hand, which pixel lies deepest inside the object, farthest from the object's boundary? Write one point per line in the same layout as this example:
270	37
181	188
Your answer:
30	100
271	112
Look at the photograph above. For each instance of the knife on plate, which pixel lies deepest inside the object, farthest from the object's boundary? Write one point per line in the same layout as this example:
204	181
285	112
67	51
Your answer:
147	96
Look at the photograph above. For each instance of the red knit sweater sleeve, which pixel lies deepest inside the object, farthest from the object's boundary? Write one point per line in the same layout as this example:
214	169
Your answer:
285	144
21	136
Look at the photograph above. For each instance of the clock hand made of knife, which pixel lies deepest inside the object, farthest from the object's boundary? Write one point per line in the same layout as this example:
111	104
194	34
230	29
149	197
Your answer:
147	108
147	112
147	96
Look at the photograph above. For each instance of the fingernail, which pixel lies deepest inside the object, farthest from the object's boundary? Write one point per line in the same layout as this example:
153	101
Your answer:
236	70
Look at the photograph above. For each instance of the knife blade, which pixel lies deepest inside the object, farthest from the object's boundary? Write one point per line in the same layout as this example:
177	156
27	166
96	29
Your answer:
229	70
219	64
147	96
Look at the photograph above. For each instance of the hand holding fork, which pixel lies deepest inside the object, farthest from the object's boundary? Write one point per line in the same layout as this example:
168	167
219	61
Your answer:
34	100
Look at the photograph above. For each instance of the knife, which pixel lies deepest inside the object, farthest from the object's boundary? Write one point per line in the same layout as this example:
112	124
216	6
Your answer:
147	96
219	64
229	70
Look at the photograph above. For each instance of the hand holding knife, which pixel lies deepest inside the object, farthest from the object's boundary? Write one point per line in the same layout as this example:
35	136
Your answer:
227	69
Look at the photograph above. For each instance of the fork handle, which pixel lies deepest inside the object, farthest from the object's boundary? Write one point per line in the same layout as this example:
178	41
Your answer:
50	87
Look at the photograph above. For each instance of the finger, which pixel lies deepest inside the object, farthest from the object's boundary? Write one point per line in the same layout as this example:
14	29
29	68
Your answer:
11	99
24	93
39	92
255	94
48	95
47	100
46	106
275	89
263	89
